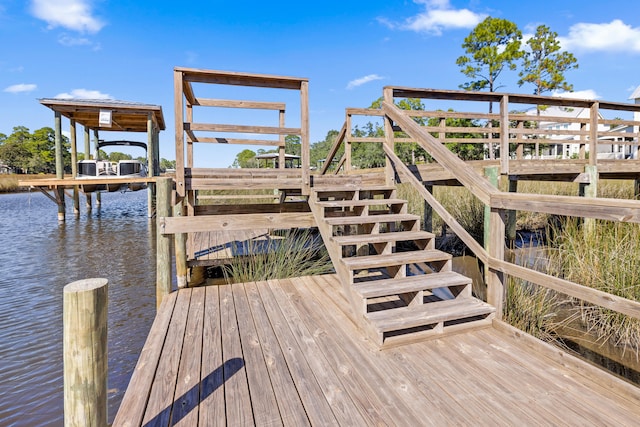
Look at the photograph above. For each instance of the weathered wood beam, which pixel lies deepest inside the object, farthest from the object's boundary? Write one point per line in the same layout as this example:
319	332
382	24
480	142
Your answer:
212	127
599	208
226	103
192	224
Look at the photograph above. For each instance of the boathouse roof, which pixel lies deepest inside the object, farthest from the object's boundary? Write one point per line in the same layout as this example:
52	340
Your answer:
126	116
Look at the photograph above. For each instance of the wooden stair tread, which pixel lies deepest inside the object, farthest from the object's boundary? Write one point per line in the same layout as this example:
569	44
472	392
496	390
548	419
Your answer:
360	202
426	314
386	287
395	236
370	219
398	258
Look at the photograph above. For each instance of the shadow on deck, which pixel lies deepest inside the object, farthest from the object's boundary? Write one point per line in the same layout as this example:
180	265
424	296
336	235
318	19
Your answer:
284	352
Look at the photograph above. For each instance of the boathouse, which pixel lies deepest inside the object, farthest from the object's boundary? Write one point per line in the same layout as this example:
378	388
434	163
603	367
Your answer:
95	116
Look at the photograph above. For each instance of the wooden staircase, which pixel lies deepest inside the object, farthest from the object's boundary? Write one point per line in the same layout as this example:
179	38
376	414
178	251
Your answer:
400	287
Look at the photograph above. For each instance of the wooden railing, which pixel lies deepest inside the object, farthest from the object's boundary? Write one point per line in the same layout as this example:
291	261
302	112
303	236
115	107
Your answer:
190	132
498	202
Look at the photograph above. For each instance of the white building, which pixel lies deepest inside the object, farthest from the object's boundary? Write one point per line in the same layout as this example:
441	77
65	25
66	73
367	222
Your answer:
621	146
563	145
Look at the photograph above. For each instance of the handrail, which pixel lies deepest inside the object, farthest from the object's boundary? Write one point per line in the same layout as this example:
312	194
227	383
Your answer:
467	177
468	240
334	149
608	209
572	289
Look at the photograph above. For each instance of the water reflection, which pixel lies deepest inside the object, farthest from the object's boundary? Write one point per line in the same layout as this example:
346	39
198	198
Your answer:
38	257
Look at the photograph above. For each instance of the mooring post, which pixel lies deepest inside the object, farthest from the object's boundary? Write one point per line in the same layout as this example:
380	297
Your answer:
163	242
85	357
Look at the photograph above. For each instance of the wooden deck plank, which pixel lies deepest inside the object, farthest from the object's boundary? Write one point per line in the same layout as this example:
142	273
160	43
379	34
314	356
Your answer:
187	401
395	391
293	341
534	390
281	313
134	401
288	400
584	371
477	379
212	407
371	407
236	390
583	398
158	412
263	402
316	406
436	392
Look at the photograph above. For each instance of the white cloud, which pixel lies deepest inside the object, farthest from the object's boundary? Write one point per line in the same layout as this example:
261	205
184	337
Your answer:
362	80
437	17
579	94
612	36
83	94
74	15
67	40
22	87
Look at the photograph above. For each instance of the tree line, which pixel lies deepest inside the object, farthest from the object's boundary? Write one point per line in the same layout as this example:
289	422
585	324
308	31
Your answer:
34	153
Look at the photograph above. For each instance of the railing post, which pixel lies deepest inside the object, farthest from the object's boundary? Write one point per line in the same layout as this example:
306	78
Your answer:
304	130
504	134
181	249
347	144
428	212
520	145
163	242
590	190
492	174
593	133
389	139
85	352
495	279
511	216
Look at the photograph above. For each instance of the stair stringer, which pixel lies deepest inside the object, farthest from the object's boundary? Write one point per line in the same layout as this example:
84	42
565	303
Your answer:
335	253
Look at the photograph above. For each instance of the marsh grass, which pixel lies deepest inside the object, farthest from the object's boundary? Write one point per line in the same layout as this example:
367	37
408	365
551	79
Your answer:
458	201
606	258
9	182
298	253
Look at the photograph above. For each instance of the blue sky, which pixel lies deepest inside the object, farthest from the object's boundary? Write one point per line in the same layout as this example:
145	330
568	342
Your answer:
349	50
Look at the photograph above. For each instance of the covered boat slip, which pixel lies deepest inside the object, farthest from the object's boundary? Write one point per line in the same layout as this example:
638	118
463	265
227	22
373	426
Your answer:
285	352
95	116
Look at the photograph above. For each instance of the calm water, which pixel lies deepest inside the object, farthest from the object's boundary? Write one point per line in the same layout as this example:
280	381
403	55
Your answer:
38	257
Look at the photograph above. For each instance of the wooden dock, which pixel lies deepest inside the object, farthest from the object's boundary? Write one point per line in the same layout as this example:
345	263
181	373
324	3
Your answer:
372	344
285	352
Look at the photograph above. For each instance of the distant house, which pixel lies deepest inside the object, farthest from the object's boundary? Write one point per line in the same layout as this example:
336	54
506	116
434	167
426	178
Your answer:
4	169
563	146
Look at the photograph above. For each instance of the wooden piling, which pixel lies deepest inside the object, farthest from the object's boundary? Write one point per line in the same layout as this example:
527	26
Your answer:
163	242
492	173
85	352
512	217
181	249
590	190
